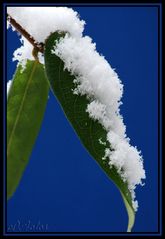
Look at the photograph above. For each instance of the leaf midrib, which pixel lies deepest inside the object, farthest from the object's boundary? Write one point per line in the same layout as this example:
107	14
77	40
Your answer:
21	106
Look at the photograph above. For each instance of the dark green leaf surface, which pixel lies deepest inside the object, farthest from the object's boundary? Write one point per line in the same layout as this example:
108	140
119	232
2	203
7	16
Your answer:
26	104
74	107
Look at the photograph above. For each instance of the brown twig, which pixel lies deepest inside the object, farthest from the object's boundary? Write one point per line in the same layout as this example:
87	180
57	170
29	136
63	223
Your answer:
20	29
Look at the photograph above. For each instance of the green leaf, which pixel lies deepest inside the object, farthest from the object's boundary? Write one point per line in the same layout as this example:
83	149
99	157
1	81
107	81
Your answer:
74	107
26	104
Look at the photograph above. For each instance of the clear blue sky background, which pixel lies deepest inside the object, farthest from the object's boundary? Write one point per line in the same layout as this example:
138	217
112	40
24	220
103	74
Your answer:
63	186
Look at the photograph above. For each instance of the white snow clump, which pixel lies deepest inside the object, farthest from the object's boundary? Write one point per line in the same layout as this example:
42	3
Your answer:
94	77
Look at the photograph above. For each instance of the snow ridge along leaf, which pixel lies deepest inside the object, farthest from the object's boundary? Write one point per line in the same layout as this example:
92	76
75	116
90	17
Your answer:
26	104
88	130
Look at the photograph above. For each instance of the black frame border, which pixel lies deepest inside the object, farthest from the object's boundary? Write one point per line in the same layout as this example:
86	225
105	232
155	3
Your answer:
159	8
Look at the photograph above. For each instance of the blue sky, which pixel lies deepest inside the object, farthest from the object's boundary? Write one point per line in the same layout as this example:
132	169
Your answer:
62	186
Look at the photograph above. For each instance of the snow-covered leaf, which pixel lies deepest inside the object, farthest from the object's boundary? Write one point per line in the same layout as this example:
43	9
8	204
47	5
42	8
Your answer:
26	104
91	133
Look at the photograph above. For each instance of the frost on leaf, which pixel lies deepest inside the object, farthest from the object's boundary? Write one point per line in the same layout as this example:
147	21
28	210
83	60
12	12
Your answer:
94	78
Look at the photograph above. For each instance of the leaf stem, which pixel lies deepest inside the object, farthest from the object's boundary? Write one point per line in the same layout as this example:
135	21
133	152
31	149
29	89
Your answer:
20	29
